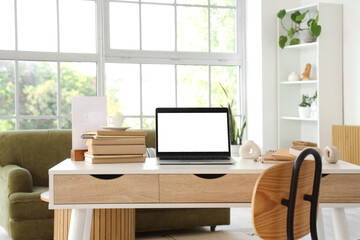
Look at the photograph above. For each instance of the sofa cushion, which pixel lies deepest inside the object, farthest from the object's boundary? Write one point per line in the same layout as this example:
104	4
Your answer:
36	151
25	205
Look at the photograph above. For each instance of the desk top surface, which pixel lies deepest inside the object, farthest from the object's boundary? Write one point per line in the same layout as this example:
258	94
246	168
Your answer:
151	166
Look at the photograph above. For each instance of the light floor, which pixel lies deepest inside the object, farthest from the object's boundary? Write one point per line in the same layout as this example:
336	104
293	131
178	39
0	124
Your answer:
240	228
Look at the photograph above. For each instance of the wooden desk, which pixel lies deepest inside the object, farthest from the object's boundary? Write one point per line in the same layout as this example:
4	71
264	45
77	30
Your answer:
81	186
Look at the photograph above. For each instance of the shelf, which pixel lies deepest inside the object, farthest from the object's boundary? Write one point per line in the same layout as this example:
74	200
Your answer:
302	46
298	82
299	119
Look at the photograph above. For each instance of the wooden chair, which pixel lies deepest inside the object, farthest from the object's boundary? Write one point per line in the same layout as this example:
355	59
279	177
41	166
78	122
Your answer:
285	199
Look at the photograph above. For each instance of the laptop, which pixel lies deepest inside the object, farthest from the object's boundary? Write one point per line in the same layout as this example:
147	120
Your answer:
193	136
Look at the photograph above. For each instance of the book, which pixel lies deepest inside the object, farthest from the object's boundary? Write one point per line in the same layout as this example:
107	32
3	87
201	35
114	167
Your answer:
283	154
137	140
273	157
109	156
109	133
129	159
117	149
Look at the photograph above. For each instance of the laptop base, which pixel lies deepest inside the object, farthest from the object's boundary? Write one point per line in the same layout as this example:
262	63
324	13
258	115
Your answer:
196	162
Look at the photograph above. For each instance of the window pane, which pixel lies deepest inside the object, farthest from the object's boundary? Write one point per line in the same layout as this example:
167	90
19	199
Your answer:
134	123
66	124
7	124
158	30
7	88
158	87
38	88
124	26
37	25
193	86
222	2
158	1
192	29
123	88
38	124
193	2
7	25
77	79
222	22
149	123
77	26
228	77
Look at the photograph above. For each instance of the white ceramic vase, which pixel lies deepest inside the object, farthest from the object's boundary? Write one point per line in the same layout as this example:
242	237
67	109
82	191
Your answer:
304	112
293	77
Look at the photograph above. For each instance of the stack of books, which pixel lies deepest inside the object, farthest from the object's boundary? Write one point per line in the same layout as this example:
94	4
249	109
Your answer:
280	156
115	146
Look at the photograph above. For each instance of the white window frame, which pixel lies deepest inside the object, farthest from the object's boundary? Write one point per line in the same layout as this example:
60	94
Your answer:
175	57
57	57
104	55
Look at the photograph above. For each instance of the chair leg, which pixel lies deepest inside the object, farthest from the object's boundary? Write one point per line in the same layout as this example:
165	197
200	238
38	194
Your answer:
212	228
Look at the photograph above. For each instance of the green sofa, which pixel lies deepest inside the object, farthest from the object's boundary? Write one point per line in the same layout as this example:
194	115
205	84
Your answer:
26	157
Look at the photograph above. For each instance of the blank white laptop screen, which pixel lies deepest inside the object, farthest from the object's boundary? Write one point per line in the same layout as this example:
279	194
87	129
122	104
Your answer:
192	132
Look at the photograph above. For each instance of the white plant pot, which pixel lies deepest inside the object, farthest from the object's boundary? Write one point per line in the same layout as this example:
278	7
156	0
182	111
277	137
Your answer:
235	150
307	36
304	112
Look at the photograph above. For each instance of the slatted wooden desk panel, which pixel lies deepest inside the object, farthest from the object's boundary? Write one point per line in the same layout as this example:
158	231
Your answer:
169	186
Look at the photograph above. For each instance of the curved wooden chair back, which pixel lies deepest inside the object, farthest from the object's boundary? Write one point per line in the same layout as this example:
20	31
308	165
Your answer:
268	214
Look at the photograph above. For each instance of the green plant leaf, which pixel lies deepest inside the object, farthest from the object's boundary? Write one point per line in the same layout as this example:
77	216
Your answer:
310	22
282	41
281	14
294	41
301	17
315	29
294	16
291	33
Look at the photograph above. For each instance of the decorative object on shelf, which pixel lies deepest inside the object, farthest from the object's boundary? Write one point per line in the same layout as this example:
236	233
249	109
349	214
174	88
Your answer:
250	150
299	19
236	135
331	154
293	76
304	143
306	73
304	106
314	109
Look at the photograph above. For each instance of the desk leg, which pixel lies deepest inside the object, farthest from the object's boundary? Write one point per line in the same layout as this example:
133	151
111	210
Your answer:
320	225
80	224
339	222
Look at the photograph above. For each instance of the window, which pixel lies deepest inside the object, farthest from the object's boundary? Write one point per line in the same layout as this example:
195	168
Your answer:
47	55
141	54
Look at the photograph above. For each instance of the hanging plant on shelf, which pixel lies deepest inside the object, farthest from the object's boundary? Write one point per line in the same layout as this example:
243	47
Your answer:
309	33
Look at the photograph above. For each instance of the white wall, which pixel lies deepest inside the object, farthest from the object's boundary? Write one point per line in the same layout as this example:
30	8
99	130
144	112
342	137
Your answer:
261	69
351	58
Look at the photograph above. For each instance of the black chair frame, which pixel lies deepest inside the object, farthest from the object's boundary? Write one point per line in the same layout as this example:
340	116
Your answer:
311	198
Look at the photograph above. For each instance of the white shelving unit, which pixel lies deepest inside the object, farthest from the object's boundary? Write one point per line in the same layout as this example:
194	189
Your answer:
325	56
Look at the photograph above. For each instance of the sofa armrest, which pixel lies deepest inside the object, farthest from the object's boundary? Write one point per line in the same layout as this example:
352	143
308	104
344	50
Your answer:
16	178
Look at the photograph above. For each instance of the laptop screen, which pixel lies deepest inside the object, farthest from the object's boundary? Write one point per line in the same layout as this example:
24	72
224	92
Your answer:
192	131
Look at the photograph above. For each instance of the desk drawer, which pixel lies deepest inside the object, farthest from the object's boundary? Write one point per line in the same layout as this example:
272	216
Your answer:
343	188
207	188
106	189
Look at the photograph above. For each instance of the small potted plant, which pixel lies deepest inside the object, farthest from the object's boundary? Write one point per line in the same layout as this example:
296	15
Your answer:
304	107
307	28
236	135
